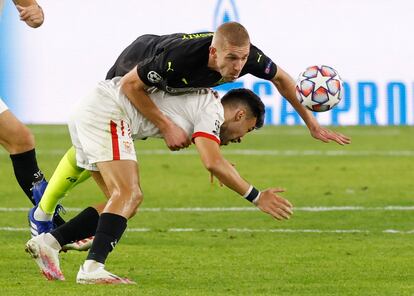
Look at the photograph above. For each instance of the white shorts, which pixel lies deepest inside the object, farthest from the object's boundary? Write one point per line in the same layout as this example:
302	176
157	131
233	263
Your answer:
3	106
100	129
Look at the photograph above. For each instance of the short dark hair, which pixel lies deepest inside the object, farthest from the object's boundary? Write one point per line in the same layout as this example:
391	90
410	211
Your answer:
249	99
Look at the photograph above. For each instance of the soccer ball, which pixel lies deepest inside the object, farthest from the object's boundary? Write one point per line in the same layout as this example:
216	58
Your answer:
319	88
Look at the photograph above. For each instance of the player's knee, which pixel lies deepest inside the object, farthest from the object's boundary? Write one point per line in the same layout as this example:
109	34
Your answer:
128	199
137	200
24	142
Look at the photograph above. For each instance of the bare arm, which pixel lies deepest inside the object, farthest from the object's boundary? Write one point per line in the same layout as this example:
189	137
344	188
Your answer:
134	89
286	86
30	12
268	201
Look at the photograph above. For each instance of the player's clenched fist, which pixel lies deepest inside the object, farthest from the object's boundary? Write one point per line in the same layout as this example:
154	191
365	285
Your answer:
273	204
175	137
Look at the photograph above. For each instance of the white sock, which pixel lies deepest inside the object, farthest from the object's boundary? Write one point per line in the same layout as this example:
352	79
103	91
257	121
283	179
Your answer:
92	265
40	215
51	241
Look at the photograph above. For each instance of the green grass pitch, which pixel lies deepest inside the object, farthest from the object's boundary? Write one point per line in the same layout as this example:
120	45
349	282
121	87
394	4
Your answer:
350	251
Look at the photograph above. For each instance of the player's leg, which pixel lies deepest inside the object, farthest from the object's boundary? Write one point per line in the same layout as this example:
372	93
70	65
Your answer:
66	176
63	179
72	235
17	139
45	247
121	179
100	132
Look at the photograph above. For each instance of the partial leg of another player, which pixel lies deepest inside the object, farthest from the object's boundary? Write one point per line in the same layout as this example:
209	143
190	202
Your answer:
17	139
65	177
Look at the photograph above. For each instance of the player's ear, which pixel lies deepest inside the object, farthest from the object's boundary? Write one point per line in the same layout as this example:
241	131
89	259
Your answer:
240	114
212	50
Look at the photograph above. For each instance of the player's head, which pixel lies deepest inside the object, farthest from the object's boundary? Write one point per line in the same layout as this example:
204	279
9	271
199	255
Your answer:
229	50
243	112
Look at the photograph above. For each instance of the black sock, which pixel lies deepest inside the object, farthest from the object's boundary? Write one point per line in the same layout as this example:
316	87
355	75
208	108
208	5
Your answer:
81	226
58	221
26	171
108	233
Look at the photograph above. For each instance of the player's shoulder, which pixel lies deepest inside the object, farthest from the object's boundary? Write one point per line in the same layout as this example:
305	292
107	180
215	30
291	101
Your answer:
259	64
211	101
203	99
188	47
254	52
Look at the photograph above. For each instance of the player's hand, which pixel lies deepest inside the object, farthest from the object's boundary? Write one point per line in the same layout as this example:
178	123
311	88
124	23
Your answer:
32	15
326	135
273	204
175	137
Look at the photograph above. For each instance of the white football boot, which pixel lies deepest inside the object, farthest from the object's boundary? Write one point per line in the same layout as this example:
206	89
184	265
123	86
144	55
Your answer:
100	276
46	256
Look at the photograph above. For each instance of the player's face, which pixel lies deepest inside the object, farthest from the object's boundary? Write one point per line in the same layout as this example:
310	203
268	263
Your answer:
234	131
230	60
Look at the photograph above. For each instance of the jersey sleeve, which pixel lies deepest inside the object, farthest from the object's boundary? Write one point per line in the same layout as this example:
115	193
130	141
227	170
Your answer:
164	65
209	121
260	65
152	71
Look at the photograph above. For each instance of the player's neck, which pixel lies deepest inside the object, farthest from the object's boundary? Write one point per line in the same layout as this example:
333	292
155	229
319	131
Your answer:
211	64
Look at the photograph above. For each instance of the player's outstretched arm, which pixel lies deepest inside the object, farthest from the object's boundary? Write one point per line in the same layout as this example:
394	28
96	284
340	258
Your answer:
30	12
286	86
268	201
134	89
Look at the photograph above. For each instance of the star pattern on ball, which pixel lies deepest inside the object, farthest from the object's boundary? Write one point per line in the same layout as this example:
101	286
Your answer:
320	80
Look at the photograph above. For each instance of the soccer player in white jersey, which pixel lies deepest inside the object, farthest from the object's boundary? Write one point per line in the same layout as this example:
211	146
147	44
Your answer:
102	132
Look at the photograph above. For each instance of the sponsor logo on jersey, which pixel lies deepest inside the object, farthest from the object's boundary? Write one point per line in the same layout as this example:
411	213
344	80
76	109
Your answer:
154	77
198	35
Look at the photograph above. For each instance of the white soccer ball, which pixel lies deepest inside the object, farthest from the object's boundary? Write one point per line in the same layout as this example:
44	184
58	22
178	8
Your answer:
319	88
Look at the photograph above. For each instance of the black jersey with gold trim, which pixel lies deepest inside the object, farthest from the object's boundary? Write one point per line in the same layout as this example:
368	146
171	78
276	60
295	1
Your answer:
177	63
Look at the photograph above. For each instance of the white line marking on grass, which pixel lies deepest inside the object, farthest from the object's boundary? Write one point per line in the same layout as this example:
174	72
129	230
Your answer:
255	152
243	230
13	229
245	209
63	129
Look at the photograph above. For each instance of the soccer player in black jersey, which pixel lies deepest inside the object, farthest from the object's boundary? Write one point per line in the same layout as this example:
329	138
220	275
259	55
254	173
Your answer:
184	62
180	63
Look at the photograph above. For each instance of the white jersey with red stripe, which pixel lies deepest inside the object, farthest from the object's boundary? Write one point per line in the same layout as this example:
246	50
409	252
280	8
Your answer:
105	122
199	113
